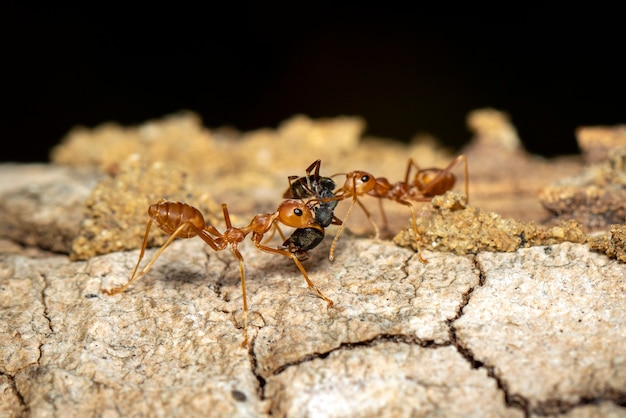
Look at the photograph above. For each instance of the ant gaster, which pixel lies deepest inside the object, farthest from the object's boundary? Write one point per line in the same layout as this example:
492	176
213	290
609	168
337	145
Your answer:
426	184
181	220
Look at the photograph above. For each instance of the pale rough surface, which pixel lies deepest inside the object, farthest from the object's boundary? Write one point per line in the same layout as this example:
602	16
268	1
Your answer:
535	332
24	324
170	350
179	137
550	321
595	196
379	290
42	205
387	379
11	405
601	410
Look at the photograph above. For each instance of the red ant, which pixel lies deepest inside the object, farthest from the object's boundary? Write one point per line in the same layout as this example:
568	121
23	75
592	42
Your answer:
181	220
427	183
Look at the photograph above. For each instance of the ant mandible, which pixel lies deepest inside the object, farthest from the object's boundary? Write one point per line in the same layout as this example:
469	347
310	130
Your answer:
427	183
181	220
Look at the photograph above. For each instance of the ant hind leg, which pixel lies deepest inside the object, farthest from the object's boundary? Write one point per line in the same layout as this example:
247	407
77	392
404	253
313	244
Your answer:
135	276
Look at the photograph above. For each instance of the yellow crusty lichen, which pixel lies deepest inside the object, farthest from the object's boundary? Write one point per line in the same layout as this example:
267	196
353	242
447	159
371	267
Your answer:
449	224
612	244
116	211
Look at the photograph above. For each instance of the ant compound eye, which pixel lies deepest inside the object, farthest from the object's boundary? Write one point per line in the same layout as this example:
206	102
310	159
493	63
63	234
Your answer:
295	213
365	178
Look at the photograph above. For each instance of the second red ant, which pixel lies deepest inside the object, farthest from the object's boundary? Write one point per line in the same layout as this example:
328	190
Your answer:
426	184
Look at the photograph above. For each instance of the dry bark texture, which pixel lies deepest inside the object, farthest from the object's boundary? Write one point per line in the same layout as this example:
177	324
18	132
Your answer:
512	315
595	197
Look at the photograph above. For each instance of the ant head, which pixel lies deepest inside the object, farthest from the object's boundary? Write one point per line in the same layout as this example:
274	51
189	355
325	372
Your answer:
295	213
358	183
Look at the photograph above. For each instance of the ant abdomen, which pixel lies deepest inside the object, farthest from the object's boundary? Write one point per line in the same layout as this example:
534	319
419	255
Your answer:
169	216
425	182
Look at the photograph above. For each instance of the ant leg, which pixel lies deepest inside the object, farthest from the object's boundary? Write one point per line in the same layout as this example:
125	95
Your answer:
205	235
383	216
370	219
410	165
417	235
454	162
273	231
466	174
226	216
143	247
300	267
134	277
242	273
308	281
331	254
443	171
280	232
315	165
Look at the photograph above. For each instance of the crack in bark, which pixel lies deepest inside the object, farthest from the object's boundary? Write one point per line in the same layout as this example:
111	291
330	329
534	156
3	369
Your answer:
511	400
254	363
543	408
551	407
381	338
396	338
405	270
19	395
45	315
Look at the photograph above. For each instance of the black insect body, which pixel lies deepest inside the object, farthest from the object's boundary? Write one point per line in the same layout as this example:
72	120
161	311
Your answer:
322	202
302	240
318	187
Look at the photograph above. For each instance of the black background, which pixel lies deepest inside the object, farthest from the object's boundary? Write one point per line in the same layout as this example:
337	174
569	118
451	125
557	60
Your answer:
253	66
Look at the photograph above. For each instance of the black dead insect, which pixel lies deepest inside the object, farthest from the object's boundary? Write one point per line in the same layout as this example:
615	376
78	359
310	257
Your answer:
323	203
318	187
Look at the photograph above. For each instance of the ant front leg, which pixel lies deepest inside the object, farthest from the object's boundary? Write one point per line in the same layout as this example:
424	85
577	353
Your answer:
355	200
417	235
242	274
275	228
298	264
331	253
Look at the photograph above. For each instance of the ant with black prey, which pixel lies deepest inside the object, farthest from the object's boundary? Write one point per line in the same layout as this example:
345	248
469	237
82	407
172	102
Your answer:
181	220
321	190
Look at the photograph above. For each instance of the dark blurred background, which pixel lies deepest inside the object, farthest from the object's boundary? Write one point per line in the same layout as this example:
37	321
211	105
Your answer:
253	66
